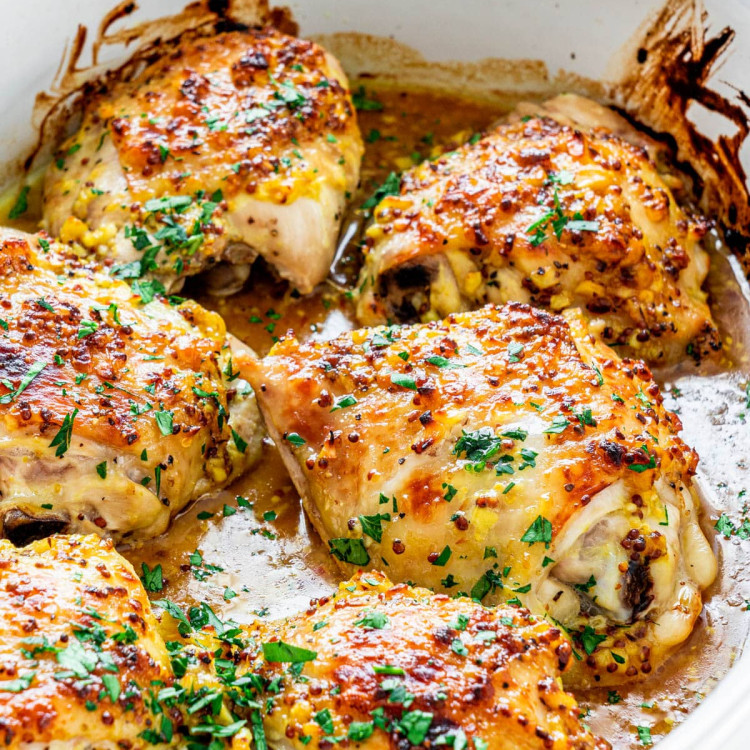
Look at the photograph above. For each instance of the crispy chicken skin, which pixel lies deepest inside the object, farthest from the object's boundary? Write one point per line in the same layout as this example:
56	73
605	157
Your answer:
397	666
114	414
504	454
223	148
80	649
379	665
552	209
85	664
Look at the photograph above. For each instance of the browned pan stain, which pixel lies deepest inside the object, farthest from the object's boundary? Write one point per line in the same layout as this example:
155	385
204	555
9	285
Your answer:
667	67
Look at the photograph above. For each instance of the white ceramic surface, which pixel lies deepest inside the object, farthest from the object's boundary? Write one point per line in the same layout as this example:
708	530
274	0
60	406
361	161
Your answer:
578	35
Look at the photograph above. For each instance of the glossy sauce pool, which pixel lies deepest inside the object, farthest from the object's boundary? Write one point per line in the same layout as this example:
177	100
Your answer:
249	551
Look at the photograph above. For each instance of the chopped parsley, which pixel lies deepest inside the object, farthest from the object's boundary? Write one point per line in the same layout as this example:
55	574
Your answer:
373	620
62	439
371	525
590	639
528	459
515	349
539	531
728	528
364	103
459	647
586	587
404	381
651	464
147	289
343	402
176	203
388	669
351	551
288	93
444	363
21	205
278	651
443	557
239	443
415	725
360	730
489	581
165	422
86	328
18	685
558	221
515	434
391	186
152	577
585	417
478	445
558	426
33	371
324	720
450	491
644	735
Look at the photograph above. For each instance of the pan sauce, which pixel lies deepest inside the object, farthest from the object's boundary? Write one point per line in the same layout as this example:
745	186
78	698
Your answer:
258	556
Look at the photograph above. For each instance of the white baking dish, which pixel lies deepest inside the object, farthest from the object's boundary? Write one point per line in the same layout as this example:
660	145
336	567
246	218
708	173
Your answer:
589	38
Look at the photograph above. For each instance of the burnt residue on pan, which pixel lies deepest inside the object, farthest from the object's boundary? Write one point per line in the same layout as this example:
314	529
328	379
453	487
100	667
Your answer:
668	66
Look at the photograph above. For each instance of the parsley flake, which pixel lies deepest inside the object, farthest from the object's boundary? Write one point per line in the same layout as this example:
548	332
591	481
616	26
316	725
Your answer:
351	551
287	653
539	531
64	434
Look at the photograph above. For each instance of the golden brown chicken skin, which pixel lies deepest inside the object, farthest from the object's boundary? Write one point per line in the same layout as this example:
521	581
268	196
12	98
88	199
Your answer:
223	148
507	455
115	410
79	650
378	665
85	664
551	211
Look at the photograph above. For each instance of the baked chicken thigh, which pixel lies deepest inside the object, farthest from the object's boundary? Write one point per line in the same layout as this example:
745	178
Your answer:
79	648
85	664
381	666
117	410
507	455
555	208
221	149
